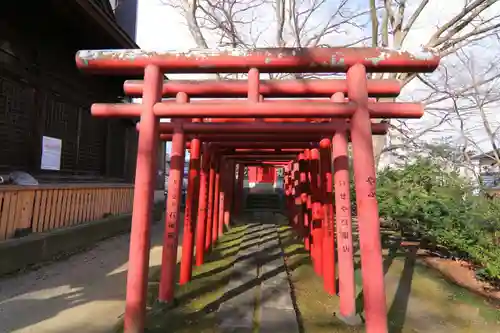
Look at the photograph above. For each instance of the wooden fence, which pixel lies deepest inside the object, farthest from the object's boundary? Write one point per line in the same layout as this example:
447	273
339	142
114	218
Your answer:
46	207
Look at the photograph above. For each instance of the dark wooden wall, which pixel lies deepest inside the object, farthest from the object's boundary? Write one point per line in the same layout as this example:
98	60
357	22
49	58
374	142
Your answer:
43	94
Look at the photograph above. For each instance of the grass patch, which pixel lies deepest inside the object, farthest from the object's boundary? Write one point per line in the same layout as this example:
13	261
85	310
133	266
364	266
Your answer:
315	307
451	295
418	298
196	300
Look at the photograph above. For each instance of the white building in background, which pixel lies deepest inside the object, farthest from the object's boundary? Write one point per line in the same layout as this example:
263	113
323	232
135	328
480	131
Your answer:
488	168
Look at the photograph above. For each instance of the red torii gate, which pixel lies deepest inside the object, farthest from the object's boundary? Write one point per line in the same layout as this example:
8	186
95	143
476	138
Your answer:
355	61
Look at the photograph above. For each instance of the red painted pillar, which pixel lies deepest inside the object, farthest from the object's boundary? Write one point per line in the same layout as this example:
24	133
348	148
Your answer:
137	275
170	241
201	223
215	218
252	174
222	196
296	201
367	205
190	212
347	288
210	208
291	196
304	189
308	212
229	193
316	213
287	179
328	221
239	189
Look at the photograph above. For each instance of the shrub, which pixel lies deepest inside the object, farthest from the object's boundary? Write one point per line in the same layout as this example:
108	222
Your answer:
438	204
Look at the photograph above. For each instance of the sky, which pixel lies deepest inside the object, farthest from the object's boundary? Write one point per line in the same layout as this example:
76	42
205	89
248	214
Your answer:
162	27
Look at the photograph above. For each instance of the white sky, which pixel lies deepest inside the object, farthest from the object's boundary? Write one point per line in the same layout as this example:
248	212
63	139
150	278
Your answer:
162	27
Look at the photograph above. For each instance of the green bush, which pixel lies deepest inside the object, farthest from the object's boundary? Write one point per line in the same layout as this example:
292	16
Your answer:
424	198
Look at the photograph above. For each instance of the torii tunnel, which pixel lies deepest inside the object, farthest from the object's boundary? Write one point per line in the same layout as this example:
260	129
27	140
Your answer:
303	126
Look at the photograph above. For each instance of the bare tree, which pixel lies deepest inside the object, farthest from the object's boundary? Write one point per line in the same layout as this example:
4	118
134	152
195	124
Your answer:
278	23
476	21
462	99
381	23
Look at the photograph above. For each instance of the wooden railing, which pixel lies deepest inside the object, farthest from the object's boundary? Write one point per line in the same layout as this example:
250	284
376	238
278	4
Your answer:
46	207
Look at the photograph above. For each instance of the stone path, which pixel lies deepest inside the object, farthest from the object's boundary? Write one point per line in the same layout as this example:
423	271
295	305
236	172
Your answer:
83	293
258	296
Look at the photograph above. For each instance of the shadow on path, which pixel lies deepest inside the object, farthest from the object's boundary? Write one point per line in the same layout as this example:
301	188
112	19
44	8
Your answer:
216	279
87	288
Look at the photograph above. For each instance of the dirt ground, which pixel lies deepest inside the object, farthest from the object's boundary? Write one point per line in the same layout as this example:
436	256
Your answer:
462	273
82	293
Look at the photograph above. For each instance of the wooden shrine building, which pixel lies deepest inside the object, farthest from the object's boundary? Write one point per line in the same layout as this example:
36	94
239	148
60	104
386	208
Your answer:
42	94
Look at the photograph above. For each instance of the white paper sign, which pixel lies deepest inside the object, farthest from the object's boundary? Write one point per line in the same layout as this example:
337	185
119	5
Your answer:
51	153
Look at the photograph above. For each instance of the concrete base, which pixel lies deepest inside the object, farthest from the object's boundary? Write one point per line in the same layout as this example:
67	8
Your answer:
19	253
354	320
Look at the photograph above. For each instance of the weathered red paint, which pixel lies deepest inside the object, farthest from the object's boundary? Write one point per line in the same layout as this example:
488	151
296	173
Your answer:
170	241
211	195
284	137
283	156
137	275
222	196
244	146
238	109
253	89
260	153
215	222
261	174
268	60
201	224
304	195
297	202
265	150
265	163
267	88
329	282
268	128
316	213
288	189
252	174
230	193
266	109
190	212
251	161
238	197
367	206
347	288
271	120
274	163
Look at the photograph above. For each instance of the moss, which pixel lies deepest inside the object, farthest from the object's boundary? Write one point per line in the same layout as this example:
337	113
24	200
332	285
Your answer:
195	301
418	299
